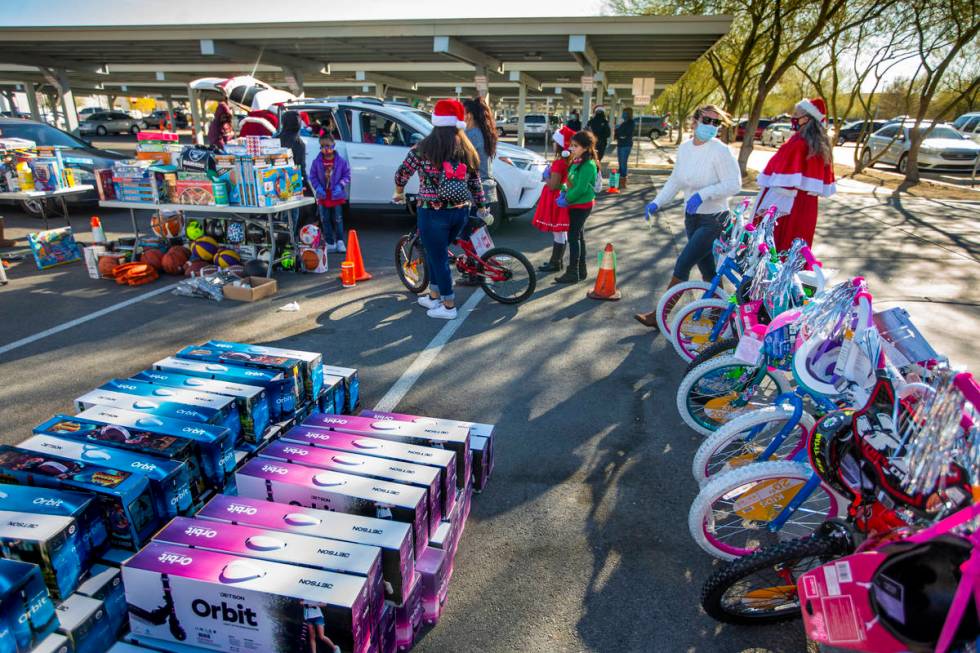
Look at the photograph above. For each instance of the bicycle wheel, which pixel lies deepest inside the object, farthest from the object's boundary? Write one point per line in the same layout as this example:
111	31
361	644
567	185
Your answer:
742	440
731	515
679	296
761	588
718	348
706	393
690	331
507	275
410	263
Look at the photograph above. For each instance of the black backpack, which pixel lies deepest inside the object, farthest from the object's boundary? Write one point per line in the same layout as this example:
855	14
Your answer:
451	186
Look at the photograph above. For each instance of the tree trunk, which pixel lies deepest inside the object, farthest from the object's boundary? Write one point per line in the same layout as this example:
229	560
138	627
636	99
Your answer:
912	163
748	142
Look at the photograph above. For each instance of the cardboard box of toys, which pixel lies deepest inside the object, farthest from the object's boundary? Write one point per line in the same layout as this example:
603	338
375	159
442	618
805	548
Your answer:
271	381
310	368
251	289
47	541
27	614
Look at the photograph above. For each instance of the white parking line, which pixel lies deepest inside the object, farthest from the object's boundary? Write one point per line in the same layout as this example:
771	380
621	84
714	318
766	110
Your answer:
425	358
85	318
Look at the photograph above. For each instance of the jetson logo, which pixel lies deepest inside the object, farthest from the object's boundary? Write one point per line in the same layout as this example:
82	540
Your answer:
315	583
331	552
401	469
197	531
419	453
386	491
21	524
175	559
238	614
239	509
365	529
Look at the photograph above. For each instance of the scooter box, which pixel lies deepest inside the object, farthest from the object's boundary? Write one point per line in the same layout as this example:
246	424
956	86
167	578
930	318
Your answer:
393	538
352	385
175	403
117	437
169	479
311	363
135	430
53	643
333	397
85	622
270	380
292	382
125	497
408	617
276	546
219	601
443	460
92	536
27	614
482	448
47	541
105	584
262	478
251	400
394	471
456	438
433	570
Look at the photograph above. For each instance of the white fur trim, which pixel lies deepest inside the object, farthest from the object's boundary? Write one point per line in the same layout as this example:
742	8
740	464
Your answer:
797	180
257	120
565	154
810	108
558	138
444	121
460	124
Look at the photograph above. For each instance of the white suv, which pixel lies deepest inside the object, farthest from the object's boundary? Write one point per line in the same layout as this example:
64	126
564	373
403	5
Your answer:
374	136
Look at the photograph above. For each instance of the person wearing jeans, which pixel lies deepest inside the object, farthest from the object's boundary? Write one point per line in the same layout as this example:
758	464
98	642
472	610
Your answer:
624	145
330	178
708	174
449	179
578	196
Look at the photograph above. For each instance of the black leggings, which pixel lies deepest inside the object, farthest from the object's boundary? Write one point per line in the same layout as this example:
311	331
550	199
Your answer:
576	238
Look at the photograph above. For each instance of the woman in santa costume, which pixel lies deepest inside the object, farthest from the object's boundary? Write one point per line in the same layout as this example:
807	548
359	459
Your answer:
548	216
801	171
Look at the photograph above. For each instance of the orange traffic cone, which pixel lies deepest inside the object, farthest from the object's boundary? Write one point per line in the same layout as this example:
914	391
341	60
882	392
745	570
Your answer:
605	282
354	256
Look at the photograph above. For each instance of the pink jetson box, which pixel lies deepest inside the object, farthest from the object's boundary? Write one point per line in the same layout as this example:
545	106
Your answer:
385	635
394	471
408	617
454	437
224	602
442	459
276	546
393	538
261	478
433	570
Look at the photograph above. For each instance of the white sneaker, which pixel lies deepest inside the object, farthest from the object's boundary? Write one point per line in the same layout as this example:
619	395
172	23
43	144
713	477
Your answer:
331	248
442	312
341	247
428	302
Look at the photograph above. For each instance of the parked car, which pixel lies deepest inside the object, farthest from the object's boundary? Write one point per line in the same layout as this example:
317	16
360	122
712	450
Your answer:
158	118
374	136
80	155
852	131
535	126
776	134
88	111
110	122
969	125
740	129
650	126
944	148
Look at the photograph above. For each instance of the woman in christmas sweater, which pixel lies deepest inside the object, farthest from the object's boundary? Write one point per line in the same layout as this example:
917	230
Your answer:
801	171
548	216
708	174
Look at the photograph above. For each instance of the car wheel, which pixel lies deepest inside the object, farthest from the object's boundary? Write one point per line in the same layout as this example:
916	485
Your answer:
903	164
101	130
135	129
499	211
33	207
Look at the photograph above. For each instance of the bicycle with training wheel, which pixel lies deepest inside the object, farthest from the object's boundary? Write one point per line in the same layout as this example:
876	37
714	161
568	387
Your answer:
504	273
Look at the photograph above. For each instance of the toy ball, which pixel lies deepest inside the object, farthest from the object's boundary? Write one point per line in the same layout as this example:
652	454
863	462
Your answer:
256	268
227	257
194	229
309	235
205	248
167	224
180	253
171	264
236	233
309	259
288	259
215	229
193	268
153	258
255	233
106	265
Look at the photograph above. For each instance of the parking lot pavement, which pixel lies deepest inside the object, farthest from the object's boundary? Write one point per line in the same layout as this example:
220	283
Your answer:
580	541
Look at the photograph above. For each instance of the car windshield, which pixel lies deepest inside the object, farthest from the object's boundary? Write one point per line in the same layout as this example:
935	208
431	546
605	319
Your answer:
41	134
536	119
420	120
943	132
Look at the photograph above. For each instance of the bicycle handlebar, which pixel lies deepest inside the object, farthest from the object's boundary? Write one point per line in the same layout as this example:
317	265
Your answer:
967	385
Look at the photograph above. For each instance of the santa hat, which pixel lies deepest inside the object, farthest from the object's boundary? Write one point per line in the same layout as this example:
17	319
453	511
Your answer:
448	113
815	107
563	137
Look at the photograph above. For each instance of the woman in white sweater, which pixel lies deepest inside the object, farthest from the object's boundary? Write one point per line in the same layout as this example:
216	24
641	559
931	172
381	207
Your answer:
708	175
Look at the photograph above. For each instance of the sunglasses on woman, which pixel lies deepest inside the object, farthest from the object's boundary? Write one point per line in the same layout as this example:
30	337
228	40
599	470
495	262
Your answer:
714	122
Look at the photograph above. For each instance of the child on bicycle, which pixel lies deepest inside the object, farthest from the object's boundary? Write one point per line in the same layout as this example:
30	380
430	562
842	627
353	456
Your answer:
330	178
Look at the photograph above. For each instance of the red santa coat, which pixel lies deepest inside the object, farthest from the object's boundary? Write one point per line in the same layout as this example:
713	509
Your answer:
792	181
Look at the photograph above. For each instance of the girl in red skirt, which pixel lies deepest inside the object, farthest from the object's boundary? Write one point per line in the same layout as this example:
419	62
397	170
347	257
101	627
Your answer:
548	216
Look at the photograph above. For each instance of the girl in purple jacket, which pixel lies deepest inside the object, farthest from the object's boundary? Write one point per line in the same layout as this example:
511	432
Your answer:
330	178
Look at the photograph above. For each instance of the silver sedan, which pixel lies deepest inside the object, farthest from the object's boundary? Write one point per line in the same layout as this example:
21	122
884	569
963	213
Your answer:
944	148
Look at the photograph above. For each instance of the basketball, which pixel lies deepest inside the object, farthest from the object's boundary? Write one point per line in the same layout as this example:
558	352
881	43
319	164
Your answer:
193	268
106	265
167	224
194	229
204	248
309	259
153	258
171	264
256	268
227	257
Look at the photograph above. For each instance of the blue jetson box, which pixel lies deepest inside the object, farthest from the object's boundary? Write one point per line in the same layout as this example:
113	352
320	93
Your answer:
27	614
270	380
311	369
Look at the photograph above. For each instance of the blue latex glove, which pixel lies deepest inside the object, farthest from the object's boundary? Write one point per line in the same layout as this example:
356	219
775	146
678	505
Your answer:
546	173
652	208
693	202
337	191
562	202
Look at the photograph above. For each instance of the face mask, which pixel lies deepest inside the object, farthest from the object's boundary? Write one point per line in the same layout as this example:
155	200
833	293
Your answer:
795	123
705	132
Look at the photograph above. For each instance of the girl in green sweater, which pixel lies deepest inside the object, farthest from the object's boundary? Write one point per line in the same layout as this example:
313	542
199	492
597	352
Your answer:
578	195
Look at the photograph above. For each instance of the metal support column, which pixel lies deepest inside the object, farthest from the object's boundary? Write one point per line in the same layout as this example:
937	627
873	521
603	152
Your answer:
195	116
521	110
30	89
68	104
